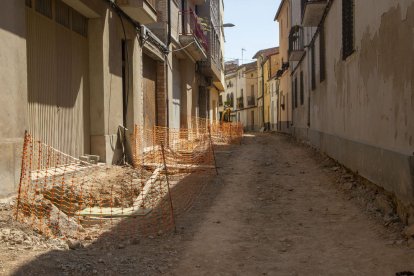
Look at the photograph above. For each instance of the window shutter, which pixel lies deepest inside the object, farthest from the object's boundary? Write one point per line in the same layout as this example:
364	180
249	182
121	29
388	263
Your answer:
313	77
296	92
322	54
44	7
347	28
302	92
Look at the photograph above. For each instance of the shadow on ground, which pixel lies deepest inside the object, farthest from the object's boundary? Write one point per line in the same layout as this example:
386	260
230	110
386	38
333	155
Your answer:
135	246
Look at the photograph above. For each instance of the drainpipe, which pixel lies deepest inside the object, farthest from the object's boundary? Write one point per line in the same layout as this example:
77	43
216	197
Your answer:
263	95
166	59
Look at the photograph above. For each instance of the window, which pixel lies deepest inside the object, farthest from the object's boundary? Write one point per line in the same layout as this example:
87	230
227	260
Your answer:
44	7
62	13
322	53
302	93
241	92
347	28
79	23
252	90
313	78
296	92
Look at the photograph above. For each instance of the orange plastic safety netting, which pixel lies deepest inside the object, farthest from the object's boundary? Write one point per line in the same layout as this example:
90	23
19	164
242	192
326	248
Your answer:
223	133
184	150
62	196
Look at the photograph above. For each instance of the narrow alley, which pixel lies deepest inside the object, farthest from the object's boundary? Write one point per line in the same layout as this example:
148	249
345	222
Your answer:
273	210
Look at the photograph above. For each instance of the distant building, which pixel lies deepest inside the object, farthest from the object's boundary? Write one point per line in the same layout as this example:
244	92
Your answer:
267	66
241	93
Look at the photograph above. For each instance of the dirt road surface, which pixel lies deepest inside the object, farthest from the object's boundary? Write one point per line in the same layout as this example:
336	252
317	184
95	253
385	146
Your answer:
277	208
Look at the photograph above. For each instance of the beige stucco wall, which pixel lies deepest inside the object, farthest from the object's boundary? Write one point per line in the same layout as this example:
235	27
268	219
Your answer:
214	98
105	58
374	87
285	93
13	92
270	68
360	115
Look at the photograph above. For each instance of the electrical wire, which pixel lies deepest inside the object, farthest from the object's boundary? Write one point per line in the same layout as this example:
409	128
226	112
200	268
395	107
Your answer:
180	49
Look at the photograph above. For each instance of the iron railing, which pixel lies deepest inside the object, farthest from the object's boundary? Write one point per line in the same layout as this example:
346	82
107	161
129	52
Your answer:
251	101
240	103
296	39
191	26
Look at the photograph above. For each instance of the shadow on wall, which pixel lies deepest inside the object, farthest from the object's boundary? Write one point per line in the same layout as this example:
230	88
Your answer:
12	17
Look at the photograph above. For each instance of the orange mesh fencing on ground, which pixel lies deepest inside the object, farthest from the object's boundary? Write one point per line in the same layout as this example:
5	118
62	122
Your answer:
224	133
62	196
185	150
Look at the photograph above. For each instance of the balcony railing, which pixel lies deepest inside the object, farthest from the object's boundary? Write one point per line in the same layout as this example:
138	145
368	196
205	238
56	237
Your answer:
296	43
251	101
312	12
240	103
191	26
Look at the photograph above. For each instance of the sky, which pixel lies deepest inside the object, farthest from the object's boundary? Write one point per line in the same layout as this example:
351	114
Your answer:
254	30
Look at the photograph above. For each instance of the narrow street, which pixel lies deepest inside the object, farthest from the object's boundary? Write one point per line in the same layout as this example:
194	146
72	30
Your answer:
275	209
280	212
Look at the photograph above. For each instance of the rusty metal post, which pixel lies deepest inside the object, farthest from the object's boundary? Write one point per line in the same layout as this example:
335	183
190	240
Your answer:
22	173
212	149
168	185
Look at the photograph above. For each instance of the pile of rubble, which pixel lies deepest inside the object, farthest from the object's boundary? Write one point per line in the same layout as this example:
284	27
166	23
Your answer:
17	236
376	201
53	210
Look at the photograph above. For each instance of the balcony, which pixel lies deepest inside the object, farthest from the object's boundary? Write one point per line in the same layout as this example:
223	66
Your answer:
312	12
240	103
296	43
192	35
251	101
143	11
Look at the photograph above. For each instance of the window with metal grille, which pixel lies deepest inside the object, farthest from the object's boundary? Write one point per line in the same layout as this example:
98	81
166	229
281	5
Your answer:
322	54
44	7
313	77
62	14
79	23
29	3
296	92
302	93
347	28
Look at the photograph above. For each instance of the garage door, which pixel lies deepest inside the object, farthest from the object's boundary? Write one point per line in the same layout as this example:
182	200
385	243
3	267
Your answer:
150	79
58	76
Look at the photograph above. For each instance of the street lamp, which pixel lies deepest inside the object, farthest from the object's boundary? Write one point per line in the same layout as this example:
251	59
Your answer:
225	25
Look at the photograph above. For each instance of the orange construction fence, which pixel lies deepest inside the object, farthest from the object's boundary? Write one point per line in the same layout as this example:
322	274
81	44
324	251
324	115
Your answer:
62	196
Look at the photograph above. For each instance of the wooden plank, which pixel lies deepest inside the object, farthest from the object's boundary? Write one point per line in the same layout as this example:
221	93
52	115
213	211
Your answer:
108	212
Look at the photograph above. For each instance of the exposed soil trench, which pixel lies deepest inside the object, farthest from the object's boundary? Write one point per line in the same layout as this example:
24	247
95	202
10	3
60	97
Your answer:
275	209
